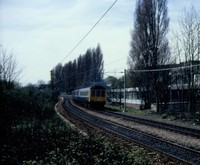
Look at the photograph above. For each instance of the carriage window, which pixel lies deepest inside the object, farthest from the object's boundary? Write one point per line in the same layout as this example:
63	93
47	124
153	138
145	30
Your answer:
83	93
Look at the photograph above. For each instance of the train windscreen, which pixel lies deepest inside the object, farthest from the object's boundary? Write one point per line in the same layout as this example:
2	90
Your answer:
103	93
98	93
93	92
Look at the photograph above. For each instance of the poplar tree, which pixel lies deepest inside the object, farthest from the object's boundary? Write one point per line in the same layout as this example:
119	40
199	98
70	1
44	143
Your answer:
149	48
98	64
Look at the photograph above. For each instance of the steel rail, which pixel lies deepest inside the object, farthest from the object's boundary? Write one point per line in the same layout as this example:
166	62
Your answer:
176	151
170	127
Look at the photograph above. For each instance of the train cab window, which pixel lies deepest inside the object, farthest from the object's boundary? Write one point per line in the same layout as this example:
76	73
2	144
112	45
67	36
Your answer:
93	93
103	93
98	93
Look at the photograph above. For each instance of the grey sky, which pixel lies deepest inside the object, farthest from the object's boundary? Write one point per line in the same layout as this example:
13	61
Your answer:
42	32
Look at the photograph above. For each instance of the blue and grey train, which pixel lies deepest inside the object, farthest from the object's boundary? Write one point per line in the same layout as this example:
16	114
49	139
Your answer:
93	96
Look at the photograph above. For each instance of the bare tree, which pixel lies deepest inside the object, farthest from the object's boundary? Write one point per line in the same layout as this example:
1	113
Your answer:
188	52
149	47
9	68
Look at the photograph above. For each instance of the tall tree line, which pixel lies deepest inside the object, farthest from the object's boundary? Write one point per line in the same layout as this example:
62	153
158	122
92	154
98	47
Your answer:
81	72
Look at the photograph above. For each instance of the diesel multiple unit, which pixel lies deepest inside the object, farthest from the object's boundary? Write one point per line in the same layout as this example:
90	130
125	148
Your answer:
94	96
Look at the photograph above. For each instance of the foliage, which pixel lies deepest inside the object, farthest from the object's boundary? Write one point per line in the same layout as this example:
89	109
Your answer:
115	83
32	133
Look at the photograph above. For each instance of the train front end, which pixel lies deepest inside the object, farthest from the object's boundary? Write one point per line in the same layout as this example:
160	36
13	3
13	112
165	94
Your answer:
97	96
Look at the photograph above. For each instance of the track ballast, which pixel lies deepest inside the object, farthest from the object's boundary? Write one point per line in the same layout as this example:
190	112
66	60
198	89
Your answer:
179	152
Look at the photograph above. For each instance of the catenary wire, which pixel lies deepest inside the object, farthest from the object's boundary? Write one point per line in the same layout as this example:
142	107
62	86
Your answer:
149	70
89	31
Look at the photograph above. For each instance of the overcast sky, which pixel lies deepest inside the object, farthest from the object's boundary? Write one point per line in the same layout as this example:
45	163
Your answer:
42	32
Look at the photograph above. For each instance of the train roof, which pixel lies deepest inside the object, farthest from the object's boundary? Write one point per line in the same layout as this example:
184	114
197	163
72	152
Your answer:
84	89
93	85
99	84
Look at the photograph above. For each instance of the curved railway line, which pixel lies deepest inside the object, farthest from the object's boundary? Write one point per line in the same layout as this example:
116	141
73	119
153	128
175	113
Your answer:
186	155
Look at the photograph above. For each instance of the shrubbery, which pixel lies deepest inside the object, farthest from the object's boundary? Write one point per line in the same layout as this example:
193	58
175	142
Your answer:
32	133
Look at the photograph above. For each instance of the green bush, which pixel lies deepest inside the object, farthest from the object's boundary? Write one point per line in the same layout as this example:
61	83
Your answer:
32	133
54	143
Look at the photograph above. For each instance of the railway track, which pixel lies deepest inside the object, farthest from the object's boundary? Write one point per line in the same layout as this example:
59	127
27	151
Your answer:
169	127
184	154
